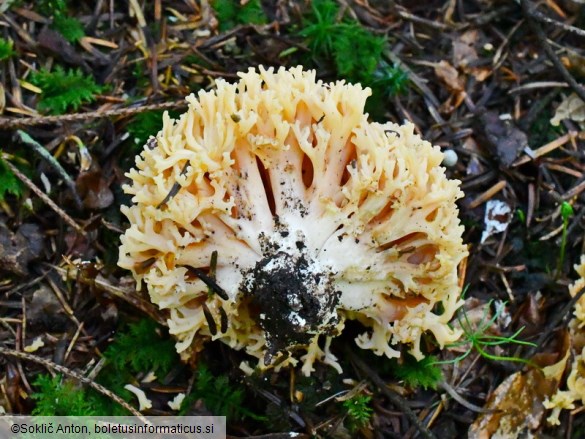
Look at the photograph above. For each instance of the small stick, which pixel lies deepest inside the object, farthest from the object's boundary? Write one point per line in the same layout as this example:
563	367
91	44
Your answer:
209	282
482	198
574	191
468	405
175	188
7	123
44	197
545	149
128	295
66	371
541	17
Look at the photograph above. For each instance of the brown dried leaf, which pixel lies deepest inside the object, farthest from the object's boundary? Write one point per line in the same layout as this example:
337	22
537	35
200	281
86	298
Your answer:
571	108
502	137
45	312
464	51
94	189
449	76
516	406
18	249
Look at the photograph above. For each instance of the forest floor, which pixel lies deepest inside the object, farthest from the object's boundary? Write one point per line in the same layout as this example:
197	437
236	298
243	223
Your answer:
82	87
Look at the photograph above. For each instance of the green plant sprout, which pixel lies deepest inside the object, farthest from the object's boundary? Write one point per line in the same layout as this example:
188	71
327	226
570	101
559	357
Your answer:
64	89
521	215
566	213
359	412
477	339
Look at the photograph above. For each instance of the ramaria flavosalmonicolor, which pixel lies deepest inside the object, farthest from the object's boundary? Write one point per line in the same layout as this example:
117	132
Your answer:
314	215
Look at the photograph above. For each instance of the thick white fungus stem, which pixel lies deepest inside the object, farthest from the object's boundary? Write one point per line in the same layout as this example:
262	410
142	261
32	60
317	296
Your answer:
316	216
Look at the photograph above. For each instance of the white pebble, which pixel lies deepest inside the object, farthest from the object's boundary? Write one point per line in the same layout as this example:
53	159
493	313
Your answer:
449	158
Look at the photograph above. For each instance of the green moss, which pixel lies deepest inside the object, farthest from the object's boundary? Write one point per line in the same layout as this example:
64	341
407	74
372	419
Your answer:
141	347
144	125
425	373
52	7
6	49
64	90
355	51
57	397
71	28
231	13
221	397
358	411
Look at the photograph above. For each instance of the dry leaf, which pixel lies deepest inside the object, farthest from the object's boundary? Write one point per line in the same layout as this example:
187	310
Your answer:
516	407
449	76
500	134
464	51
571	108
555	371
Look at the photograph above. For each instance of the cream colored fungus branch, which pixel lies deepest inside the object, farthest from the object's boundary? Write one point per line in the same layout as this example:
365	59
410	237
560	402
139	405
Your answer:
316	214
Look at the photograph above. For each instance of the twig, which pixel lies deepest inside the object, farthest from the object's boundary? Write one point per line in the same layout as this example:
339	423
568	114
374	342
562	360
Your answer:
128	295
470	406
545	149
485	196
42	151
543	18
394	398
66	371
528	10
44	197
13	123
575	190
405	15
